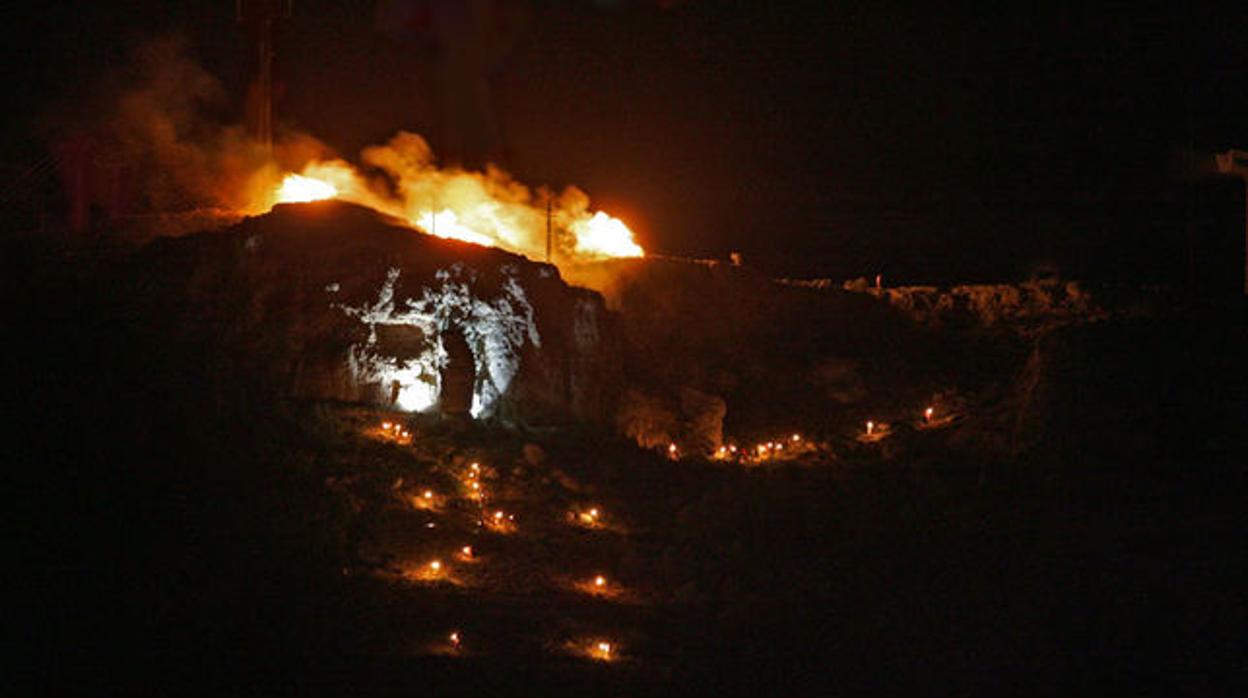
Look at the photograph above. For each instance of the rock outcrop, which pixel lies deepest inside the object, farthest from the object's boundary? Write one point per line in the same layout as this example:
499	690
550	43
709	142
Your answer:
1030	308
334	301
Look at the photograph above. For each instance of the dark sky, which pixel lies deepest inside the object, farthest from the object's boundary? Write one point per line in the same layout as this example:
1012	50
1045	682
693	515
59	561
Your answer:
831	138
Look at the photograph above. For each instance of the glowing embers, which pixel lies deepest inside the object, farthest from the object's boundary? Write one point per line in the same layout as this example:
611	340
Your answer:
393	431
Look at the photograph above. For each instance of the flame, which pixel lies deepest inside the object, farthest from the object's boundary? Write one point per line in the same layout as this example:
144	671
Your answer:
485	208
445	224
298	188
605	236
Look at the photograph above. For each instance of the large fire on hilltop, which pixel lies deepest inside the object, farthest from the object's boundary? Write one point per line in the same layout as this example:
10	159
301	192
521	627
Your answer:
299	189
486	208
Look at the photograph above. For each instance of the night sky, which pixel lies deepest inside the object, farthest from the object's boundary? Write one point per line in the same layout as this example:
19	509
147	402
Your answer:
935	144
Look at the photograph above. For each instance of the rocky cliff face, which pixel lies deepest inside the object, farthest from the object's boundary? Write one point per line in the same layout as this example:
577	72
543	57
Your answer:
714	347
1029	308
333	301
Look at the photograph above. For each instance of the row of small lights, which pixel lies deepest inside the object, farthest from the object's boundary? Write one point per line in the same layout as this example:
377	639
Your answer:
759	452
502	522
601	650
395	431
928	413
772	449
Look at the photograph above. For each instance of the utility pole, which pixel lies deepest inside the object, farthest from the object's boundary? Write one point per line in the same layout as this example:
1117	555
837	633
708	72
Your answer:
261	16
1235	162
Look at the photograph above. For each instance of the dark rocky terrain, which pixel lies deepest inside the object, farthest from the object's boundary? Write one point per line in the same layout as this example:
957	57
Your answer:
205	499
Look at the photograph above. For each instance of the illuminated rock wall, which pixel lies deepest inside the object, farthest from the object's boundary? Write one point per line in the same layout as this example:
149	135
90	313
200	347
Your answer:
330	301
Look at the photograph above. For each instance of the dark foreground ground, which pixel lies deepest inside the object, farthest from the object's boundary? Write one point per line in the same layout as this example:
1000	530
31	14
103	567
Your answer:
162	541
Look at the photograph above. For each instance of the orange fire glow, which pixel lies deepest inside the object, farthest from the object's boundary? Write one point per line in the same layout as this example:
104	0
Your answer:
298	189
485	208
605	236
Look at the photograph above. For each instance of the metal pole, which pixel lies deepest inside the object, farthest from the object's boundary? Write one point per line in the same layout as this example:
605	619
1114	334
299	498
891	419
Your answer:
264	121
262	17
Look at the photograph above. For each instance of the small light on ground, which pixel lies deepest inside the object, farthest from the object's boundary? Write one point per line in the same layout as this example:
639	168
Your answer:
596	648
589	517
500	522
